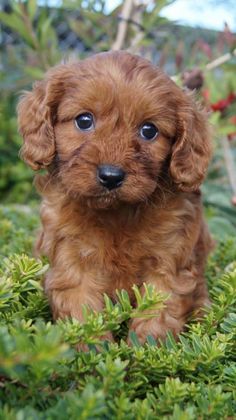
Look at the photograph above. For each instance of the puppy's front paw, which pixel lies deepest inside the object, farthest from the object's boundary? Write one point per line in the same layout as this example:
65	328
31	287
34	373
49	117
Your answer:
157	327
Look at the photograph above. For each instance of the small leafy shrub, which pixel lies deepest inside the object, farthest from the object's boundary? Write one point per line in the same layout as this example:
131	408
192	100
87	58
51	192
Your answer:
43	376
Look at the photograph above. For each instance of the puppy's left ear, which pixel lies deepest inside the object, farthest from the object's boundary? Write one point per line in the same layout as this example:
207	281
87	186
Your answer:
192	149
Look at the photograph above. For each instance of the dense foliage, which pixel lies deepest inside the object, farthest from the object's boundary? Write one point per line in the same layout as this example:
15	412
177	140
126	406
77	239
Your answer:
42	376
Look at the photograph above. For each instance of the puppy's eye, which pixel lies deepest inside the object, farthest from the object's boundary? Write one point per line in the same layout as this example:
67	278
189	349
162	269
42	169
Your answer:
84	121
148	131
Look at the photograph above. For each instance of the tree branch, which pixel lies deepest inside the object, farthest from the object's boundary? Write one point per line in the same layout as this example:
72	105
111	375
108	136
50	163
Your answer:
220	60
123	25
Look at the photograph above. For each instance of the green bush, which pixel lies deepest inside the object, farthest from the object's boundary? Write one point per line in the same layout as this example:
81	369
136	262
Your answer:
42	376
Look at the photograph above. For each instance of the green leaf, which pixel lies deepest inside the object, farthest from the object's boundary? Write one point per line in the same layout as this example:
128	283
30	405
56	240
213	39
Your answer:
134	339
32	8
18	24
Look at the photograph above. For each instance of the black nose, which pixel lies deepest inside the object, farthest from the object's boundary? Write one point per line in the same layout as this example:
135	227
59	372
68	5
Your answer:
110	176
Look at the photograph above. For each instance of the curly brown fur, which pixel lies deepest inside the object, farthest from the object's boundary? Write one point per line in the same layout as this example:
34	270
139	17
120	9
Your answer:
149	229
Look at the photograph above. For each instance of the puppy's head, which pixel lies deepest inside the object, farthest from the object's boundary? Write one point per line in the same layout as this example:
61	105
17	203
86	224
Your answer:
115	129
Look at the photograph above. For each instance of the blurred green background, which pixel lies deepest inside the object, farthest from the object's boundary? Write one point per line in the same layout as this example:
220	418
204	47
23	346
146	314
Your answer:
38	34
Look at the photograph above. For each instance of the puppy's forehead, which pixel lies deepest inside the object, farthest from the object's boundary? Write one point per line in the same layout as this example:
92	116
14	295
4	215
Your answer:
131	85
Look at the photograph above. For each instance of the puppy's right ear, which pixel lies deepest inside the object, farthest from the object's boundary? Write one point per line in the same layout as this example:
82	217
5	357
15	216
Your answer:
36	128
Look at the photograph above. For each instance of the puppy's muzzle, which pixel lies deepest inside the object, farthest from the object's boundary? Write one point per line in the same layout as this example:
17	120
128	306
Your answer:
110	176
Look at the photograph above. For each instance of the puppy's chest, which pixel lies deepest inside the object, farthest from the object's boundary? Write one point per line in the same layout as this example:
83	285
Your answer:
120	255
126	250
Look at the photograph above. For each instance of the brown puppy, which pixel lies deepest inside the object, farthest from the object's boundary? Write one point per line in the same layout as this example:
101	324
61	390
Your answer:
126	151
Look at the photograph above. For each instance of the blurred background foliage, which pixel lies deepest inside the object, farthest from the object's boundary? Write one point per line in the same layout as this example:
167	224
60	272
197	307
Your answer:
34	37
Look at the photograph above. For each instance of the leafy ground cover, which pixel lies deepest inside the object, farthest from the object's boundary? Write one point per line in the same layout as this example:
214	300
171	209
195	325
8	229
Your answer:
42	376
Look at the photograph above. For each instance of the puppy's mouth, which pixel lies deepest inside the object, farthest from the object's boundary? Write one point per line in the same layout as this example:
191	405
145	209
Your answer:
104	200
